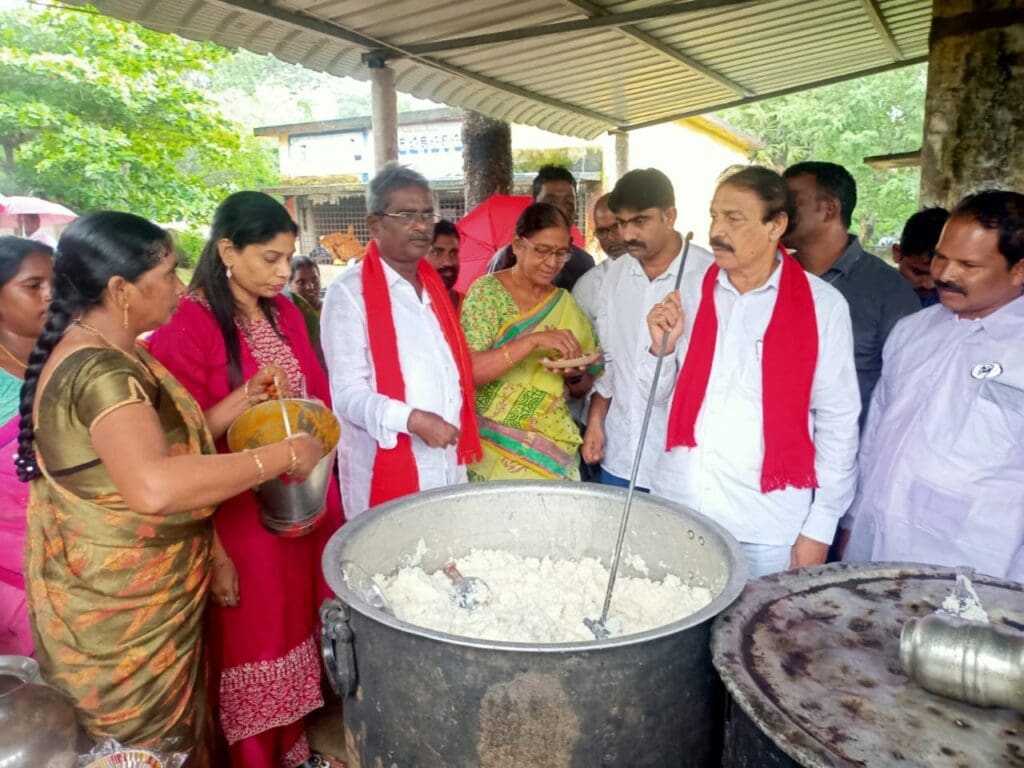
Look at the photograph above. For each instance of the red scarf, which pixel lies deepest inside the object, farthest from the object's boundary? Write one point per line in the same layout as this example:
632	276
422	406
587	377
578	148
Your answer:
394	469
787	372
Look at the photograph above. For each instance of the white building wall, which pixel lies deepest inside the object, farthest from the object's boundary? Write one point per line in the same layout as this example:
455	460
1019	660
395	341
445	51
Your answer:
693	161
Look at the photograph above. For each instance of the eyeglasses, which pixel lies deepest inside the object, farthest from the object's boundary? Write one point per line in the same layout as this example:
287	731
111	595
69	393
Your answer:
562	254
414	217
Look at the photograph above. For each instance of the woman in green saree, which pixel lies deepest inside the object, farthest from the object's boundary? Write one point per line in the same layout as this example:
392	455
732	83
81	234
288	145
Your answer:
117	562
514	319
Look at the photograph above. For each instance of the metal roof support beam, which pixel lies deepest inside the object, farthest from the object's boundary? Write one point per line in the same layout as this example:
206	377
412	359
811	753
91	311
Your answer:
607	21
774	94
195	8
655	44
381	49
878	19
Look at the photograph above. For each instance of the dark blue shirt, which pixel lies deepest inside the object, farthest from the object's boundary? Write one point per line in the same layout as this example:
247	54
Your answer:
878	296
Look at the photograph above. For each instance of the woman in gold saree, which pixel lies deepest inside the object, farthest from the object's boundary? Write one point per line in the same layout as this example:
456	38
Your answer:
513	319
119	533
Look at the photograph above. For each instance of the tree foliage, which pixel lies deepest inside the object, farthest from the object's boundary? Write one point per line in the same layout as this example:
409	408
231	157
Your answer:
268	91
102	113
844	123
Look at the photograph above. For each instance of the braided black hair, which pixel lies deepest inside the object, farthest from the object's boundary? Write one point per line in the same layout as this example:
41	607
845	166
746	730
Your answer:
244	218
92	250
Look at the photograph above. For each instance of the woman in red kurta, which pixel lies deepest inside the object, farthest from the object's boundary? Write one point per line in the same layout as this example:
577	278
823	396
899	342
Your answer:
233	324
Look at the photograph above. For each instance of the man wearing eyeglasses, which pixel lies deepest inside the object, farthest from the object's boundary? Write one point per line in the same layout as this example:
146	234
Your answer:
587	293
644	206
401	379
588	288
555	185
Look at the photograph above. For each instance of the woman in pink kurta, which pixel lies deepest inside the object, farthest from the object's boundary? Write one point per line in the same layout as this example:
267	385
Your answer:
265	660
26	271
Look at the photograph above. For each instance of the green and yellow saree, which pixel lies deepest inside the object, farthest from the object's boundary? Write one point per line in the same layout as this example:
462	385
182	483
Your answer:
525	426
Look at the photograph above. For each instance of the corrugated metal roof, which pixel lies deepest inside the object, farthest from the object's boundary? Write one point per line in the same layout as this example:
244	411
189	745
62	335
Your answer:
577	67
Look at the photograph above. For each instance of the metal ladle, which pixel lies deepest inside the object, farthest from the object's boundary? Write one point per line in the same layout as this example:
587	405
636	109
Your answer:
468	592
284	409
599	626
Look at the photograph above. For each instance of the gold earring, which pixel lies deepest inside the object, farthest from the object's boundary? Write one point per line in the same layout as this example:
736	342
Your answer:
125	323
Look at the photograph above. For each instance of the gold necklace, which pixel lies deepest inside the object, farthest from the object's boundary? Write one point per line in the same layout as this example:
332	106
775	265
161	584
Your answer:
13	357
134	358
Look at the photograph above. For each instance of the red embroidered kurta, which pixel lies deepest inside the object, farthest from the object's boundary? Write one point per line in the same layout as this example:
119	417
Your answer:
264	653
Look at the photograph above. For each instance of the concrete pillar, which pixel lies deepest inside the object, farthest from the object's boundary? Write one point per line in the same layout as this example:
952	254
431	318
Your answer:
385	114
974	108
486	157
615	160
621	153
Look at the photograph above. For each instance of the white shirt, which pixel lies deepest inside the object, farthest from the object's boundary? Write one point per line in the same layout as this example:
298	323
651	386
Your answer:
942	458
626	296
368	418
721	476
587	291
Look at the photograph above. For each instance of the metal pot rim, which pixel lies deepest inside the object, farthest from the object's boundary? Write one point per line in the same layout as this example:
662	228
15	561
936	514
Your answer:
731	631
729	592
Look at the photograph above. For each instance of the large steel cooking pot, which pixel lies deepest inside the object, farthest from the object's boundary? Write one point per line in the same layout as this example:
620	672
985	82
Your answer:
37	724
811	659
418	697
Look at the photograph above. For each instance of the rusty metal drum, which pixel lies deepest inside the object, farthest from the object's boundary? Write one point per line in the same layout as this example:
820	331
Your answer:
811	660
420	697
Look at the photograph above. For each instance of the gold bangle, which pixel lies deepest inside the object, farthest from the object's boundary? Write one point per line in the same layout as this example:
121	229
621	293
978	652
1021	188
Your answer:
508	357
294	463
259	466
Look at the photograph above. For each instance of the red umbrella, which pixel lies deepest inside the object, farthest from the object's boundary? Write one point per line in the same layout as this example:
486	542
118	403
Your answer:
49	213
485	229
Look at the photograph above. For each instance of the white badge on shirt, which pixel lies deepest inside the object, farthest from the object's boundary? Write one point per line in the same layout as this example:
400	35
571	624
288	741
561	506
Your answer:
986	370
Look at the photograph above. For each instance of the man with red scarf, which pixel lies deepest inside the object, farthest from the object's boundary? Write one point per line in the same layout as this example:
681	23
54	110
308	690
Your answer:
762	429
401	379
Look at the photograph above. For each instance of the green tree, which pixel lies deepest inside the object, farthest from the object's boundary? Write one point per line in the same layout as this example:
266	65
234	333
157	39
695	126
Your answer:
844	123
264	90
102	113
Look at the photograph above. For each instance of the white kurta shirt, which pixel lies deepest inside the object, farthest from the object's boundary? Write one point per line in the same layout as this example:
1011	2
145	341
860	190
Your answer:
626	296
942	460
587	291
368	418
721	476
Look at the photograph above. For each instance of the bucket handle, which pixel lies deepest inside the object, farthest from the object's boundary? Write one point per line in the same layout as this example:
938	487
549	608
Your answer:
336	648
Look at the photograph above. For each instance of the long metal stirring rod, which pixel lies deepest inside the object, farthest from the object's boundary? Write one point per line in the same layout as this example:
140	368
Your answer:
598	628
284	408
